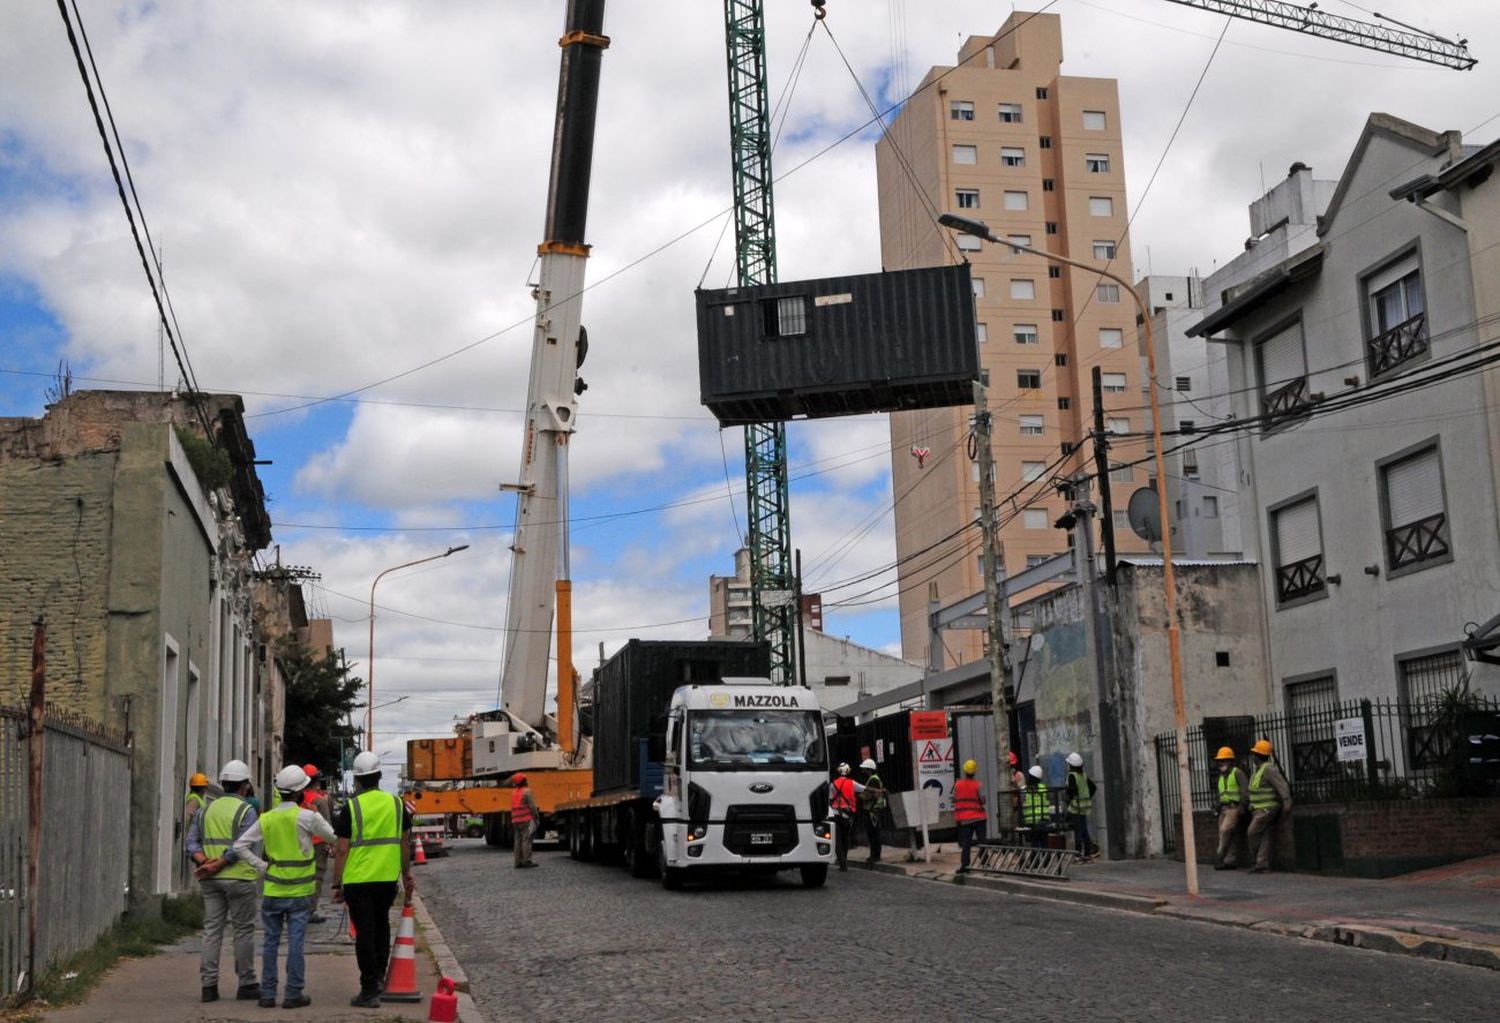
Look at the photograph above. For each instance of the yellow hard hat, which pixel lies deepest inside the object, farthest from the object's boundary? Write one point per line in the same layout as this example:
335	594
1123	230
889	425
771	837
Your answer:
1225	753
970	767
1262	748
198	780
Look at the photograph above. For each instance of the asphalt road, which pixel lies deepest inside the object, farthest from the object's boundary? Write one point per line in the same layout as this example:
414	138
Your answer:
582	942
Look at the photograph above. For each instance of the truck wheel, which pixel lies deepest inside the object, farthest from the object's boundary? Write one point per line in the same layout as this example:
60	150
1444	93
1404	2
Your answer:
575	837
492	831
474	831
637	857
671	877
814	874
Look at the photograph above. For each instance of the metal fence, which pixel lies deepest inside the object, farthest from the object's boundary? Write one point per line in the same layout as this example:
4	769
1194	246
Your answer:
1407	752
83	874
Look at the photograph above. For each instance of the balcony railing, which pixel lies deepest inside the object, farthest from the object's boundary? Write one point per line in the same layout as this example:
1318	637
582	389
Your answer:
1402	342
1300	578
1418	541
1285	400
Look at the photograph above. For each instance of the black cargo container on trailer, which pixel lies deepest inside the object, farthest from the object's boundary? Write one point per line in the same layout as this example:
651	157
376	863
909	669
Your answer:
838	346
632	690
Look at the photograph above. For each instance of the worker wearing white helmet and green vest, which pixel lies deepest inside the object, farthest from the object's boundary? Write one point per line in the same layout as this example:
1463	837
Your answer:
290	879
1081	789
229	894
874	802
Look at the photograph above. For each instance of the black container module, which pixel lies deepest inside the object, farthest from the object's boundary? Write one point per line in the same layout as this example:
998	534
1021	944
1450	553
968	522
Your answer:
838	346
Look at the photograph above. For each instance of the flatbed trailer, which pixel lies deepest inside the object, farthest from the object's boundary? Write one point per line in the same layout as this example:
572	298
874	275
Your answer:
492	801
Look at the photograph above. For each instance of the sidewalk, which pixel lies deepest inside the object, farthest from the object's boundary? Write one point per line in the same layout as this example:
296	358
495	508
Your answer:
165	986
1450	913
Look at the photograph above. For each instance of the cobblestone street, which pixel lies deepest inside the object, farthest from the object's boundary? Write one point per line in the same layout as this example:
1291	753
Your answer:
576	941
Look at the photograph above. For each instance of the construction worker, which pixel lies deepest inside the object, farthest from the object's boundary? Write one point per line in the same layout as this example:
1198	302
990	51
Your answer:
1017	784
1036	807
315	798
373	853
969	812
1232	807
1081	789
197	799
1270	797
229	890
523	818
874	801
290	880
843	801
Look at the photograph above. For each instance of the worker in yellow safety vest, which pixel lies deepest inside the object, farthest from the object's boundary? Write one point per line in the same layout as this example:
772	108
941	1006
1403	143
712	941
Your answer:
1081	789
1270	798
1232	807
1036	806
374	852
229	890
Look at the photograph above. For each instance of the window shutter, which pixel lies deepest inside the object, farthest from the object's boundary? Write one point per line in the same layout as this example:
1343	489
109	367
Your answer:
1414	488
1282	359
1297	536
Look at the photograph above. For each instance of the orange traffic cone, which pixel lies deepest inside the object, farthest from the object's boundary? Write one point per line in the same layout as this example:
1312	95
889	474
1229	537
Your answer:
401	975
421	854
350	917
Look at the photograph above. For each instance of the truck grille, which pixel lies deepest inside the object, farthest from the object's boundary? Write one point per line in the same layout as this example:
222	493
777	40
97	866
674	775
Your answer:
760	830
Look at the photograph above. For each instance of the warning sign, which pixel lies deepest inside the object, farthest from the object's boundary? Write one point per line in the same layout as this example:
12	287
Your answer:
929	724
931	751
934	774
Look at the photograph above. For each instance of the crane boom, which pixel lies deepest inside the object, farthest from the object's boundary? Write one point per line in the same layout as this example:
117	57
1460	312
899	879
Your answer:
1414	44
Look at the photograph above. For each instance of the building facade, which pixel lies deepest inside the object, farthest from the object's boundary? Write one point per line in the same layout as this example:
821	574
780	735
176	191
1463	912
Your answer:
1369	441
133	538
1006	138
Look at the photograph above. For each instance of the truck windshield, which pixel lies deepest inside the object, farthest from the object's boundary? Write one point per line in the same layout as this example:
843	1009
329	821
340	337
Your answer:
749	739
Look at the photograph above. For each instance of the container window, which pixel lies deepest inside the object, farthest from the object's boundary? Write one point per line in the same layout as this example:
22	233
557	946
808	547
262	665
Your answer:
786	317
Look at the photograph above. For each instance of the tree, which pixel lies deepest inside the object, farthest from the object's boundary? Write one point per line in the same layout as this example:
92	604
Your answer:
320	699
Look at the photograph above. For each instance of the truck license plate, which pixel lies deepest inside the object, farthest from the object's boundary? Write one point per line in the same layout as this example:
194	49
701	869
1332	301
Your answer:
761	838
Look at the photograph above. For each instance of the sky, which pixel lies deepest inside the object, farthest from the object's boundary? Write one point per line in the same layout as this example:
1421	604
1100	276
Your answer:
347	199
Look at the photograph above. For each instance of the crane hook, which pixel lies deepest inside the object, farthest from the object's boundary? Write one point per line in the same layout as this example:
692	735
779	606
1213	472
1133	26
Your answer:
818	11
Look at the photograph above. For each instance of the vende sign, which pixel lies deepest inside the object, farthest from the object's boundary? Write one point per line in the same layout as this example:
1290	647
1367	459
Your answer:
929	724
1349	737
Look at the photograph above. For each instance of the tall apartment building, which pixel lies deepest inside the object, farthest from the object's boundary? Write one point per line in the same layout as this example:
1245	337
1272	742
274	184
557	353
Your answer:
1006	138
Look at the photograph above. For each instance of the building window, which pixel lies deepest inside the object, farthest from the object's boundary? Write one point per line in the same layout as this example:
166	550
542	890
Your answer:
1025	333
1101	206
1054	272
961	110
1103	248
1423	683
1048	185
1187	425
970	243
1063	404
1058	316
1283	373
1097	163
1310	711
1117	426
978	285
981	332
1398	316
1033	560
1023	290
1184	384
1012	156
1015	200
1060	359
1416	515
1122	474
1032	471
1095	120
1045	142
836	680
1051	227
1035	518
1010	113
1113	383
1109	294
1190	465
1299	550
966	198
966	154
1031	426
1111	337
786	317
1121	520
1210	507
1028	379
1041	92
1018	239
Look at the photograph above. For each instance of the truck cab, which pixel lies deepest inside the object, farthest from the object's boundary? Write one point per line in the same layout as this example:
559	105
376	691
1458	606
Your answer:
745	781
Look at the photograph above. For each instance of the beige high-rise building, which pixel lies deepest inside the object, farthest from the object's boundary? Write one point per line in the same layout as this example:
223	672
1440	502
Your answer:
1006	138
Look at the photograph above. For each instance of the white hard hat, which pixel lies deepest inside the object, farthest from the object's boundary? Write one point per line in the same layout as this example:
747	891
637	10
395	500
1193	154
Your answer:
1074	760
1036	771
843	769
366	763
291	778
867	764
235	772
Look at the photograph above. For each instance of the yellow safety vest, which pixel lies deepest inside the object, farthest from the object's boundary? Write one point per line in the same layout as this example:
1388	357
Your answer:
222	821
1037	807
1229	787
1262	796
289	870
374	838
1082	803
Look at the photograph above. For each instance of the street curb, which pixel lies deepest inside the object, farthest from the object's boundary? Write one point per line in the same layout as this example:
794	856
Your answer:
1377	939
447	962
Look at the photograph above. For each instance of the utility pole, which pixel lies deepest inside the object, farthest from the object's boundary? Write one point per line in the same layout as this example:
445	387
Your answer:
996	607
36	743
1101	467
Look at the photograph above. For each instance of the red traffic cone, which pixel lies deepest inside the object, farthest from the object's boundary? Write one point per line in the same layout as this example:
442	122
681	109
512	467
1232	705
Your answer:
350	917
421	854
444	1008
401	975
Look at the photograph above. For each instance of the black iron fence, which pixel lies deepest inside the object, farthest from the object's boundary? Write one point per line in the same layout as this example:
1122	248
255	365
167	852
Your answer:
1348	751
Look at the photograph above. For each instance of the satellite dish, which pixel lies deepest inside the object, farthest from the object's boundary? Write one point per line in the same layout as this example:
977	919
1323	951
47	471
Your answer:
1144	513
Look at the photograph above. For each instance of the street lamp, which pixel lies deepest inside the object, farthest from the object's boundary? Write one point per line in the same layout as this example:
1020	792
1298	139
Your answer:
968	225
370	671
